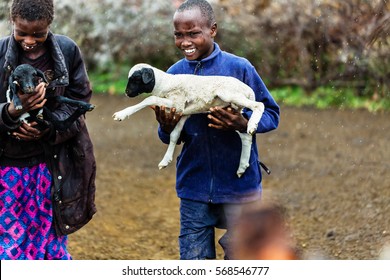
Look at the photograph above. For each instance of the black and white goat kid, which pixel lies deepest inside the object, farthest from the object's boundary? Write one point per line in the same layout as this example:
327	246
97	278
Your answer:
24	80
192	94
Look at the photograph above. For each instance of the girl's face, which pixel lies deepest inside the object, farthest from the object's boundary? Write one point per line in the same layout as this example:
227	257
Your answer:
193	36
31	35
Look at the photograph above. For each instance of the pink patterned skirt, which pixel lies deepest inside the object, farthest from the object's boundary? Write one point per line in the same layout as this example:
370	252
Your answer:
26	216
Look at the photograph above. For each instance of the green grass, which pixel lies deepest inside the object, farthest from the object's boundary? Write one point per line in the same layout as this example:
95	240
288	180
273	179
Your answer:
327	97
109	82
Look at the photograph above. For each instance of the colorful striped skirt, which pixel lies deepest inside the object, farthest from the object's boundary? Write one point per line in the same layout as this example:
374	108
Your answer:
26	216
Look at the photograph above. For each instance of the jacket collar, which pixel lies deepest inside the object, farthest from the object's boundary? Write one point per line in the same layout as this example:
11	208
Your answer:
198	65
61	75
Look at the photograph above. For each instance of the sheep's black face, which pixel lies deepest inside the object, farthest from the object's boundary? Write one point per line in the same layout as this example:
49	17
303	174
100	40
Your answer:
141	81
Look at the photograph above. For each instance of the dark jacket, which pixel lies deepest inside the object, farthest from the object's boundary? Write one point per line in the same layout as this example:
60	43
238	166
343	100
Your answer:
208	162
68	154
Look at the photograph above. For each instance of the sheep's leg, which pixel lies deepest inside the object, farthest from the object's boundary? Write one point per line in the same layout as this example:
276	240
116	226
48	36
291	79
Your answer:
256	107
254	120
257	112
173	138
149	101
246	141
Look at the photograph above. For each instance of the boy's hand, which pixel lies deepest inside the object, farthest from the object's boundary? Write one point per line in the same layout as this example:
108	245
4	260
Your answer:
227	119
166	118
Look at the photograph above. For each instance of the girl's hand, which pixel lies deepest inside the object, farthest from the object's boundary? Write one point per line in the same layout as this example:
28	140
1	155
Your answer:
227	119
29	132
29	101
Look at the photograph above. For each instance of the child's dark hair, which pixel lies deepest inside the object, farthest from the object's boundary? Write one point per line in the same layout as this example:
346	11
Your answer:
32	10
204	7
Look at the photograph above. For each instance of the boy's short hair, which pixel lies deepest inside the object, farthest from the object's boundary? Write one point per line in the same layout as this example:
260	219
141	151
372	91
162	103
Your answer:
204	7
32	10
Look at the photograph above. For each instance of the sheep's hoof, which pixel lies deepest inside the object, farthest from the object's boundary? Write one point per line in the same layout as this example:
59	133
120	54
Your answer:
116	117
163	164
241	170
252	130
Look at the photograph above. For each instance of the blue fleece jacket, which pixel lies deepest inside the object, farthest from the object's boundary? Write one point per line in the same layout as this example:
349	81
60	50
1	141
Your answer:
207	165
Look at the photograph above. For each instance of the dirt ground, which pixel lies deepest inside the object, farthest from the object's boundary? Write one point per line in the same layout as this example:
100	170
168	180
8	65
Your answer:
330	168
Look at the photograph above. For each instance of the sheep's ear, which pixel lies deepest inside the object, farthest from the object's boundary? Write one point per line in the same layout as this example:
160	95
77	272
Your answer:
147	75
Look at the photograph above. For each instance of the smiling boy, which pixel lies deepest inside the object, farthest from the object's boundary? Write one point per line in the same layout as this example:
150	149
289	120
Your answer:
210	192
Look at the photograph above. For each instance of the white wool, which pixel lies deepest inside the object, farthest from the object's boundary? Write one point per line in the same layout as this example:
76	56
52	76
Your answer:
192	94
196	94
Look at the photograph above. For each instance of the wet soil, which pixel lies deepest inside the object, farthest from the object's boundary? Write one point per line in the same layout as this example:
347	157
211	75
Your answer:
330	169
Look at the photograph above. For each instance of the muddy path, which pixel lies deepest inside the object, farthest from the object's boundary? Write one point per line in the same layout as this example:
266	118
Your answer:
330	168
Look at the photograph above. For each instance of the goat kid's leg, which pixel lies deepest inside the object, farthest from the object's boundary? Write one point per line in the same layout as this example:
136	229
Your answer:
12	95
17	103
173	138
82	106
62	125
24	117
149	101
246	141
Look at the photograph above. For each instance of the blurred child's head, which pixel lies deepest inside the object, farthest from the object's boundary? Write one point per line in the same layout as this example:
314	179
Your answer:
261	233
195	28
31	20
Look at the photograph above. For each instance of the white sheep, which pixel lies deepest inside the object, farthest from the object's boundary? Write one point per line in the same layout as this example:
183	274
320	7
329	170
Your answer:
192	94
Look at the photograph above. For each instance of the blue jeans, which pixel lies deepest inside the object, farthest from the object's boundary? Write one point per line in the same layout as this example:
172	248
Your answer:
198	221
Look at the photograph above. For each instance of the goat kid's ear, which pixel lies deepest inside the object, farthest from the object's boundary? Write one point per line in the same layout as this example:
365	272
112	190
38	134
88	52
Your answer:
147	75
13	84
42	75
14	87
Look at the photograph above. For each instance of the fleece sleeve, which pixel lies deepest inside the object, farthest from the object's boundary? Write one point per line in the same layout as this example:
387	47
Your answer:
271	116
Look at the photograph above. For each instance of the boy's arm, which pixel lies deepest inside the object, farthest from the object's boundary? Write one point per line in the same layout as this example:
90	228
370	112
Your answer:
230	119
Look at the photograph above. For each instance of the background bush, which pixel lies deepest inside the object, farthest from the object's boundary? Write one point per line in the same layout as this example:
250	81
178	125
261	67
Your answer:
310	44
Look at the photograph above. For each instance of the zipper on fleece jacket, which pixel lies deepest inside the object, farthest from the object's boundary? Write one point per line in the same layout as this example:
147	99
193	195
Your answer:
211	186
197	67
